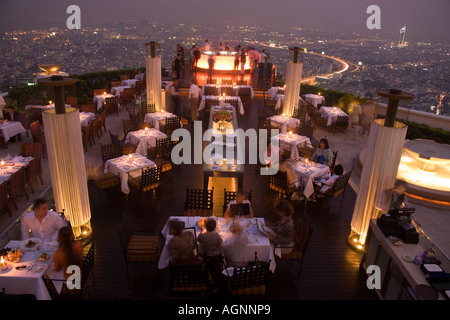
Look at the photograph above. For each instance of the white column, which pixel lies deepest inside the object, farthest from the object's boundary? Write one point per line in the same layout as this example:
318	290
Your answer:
384	150
67	167
293	82
153	79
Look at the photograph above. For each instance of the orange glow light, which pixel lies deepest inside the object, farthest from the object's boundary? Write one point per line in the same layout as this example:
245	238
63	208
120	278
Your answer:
221	63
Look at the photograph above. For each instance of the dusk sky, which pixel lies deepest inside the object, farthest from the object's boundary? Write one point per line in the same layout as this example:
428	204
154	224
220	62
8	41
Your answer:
425	20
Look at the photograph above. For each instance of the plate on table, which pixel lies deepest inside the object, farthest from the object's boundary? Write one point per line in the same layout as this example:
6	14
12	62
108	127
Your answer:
251	238
408	258
30	244
7	269
43	257
36	268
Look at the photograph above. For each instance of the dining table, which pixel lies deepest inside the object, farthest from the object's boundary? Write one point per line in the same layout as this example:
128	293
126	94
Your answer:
153	118
26	275
86	117
285	121
222	101
101	98
118	91
10	129
256	241
274	91
235	88
129	83
292	141
144	138
331	114
306	171
314	99
44	107
124	166
12	164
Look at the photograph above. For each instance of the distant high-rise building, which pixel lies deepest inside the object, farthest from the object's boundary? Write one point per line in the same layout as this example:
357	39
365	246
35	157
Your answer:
401	40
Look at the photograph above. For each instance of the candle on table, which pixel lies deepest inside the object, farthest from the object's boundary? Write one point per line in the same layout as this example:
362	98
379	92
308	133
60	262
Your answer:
3	263
50	102
130	157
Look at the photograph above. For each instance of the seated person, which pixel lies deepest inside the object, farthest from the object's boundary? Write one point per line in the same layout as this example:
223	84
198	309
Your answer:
238	245
282	226
241	198
322	185
182	245
69	251
41	222
394	198
323	154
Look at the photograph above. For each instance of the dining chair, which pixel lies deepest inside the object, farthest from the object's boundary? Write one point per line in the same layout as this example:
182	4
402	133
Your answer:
17	184
149	180
296	252
189	279
72	101
139	88
125	148
112	105
229	91
87	136
103	120
306	130
99	92
38	136
211	91
129	126
231	195
138	248
278	182
4	197
341	124
245	95
110	151
227	82
36	115
127	97
339	188
95	129
250	280
33	171
170	125
88	108
198	202
124	77
161	153
115	84
23	118
150	108
103	182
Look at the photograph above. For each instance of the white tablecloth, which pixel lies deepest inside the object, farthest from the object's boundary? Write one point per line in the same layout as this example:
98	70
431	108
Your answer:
12	165
286	122
273	92
11	128
39	106
26	281
261	245
100	99
331	114
117	91
221	102
86	117
130	83
314	99
292	141
307	172
154	117
139	76
140	138
121	166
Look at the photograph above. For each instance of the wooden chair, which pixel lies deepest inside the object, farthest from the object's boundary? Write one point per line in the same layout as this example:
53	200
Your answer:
231	195
234	103
30	149
99	92
169	125
189	278
22	117
88	108
250	280
245	95
38	136
112	105
161	154
87	136
139	88
150	108
17	184
338	188
198	202
129	126
242	82
73	101
268	102
115	84
229	91
305	130
318	120
36	115
227	82
125	148
149	180
87	268
278	182
306	152
136	248
33	171
341	124
124	77
96	129
302	235
104	181
4	197
210	102
211	91
127	97
110	151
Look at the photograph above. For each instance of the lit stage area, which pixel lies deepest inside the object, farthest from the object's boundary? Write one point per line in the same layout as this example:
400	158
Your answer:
222	79
425	167
223	62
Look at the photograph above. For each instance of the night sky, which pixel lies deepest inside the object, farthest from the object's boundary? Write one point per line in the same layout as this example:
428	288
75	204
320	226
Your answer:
425	20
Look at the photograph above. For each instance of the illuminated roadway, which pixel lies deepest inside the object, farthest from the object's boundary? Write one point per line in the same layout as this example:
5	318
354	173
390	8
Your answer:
346	65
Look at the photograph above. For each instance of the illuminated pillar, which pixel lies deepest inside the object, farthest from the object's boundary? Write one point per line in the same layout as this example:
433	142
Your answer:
153	74
384	150
66	158
293	80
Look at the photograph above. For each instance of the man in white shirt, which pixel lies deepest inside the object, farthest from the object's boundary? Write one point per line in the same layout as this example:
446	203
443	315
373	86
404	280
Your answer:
263	56
194	93
41	222
241	198
207	45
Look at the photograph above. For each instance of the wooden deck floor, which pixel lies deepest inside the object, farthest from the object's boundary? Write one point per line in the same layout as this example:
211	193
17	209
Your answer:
330	268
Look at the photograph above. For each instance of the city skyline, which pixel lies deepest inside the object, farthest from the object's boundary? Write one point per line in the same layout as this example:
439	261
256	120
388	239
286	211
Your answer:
426	21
